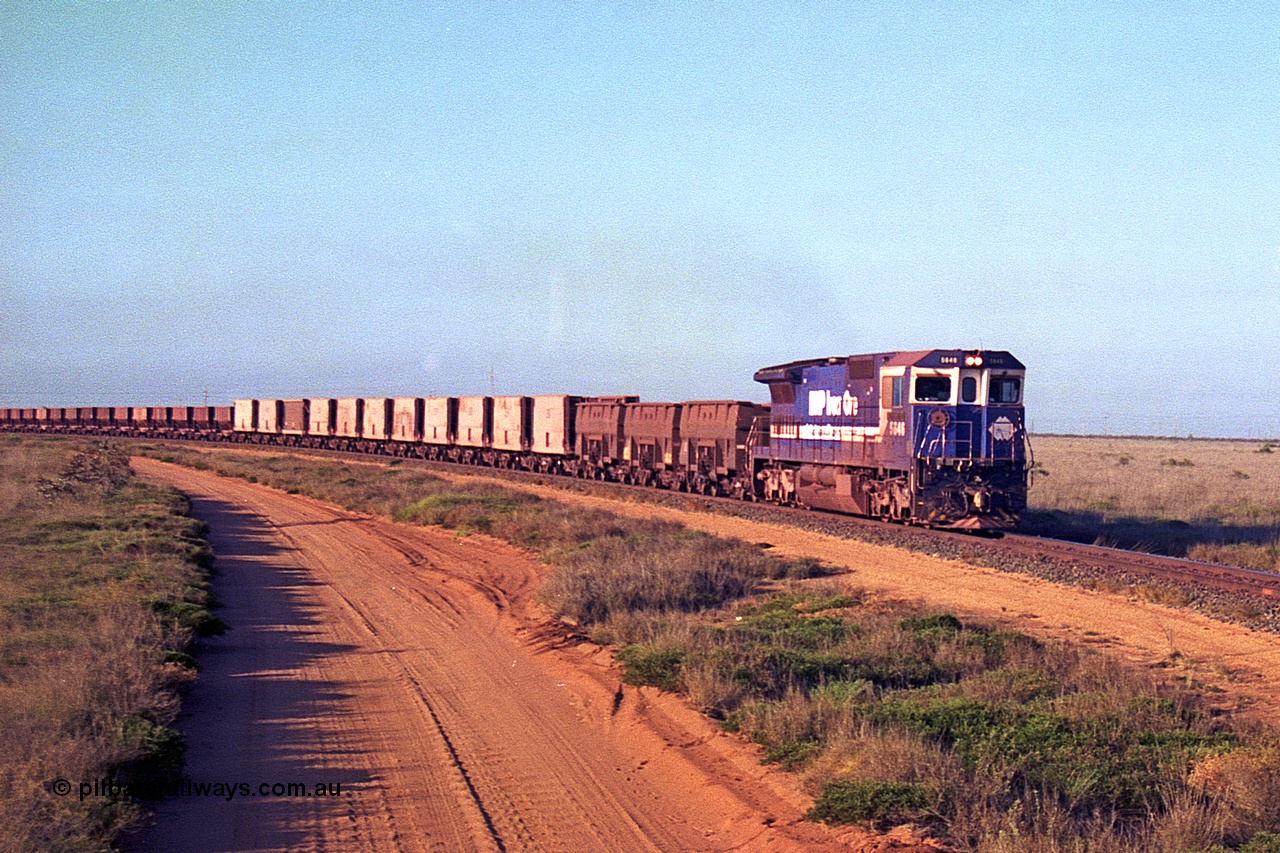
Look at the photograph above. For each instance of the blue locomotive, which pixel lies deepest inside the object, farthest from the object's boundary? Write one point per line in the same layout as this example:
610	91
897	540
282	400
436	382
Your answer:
936	437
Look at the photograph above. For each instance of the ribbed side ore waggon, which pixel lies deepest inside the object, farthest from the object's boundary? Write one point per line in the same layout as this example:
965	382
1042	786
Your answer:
322	417
600	437
406	419
349	418
512	424
297	417
475	422
222	417
246	415
270	416
555	424
378	418
651	451
439	420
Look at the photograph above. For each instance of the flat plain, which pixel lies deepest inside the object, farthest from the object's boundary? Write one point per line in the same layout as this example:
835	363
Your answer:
1212	500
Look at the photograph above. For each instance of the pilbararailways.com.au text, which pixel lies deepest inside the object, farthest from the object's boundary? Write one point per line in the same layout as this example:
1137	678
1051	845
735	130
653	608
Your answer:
108	787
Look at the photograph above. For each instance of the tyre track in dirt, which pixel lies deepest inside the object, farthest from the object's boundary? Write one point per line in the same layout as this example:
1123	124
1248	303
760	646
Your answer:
411	667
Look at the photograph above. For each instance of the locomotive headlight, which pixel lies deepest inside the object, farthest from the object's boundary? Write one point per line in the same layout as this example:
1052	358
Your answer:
973	361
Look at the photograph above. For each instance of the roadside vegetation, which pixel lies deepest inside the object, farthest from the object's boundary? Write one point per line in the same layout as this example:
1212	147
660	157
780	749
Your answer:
103	587
1217	501
985	737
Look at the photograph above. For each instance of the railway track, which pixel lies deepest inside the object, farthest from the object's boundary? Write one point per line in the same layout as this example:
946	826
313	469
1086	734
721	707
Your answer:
1181	572
1054	559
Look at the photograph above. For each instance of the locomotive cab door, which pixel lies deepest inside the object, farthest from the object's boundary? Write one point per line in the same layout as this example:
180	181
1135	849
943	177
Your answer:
893	418
971	382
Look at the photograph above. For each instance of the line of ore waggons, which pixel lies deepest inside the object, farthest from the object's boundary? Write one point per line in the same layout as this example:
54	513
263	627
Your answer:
934	437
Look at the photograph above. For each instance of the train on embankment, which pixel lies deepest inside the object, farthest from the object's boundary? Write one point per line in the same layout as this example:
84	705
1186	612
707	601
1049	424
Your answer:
933	437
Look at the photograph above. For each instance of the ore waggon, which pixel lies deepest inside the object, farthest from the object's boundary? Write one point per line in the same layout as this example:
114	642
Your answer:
934	437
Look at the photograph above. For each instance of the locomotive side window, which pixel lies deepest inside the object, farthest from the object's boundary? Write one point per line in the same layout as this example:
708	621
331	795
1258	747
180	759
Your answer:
891	392
933	389
1005	389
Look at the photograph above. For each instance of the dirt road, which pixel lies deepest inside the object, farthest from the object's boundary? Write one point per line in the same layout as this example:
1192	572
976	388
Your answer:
404	670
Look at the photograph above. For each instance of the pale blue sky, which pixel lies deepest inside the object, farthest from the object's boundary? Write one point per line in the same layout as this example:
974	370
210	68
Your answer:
305	199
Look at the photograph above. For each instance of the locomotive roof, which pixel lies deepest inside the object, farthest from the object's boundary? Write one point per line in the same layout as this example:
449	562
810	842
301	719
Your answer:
790	371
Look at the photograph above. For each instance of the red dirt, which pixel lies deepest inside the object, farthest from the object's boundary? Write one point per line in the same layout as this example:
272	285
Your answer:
414	669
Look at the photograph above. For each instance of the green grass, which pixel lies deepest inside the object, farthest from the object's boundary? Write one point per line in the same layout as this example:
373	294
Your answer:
103	587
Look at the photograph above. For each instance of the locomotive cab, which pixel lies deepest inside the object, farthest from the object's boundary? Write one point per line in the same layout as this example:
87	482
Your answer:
968	440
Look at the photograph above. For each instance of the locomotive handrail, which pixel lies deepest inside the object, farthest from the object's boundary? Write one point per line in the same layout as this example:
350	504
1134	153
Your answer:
934	442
